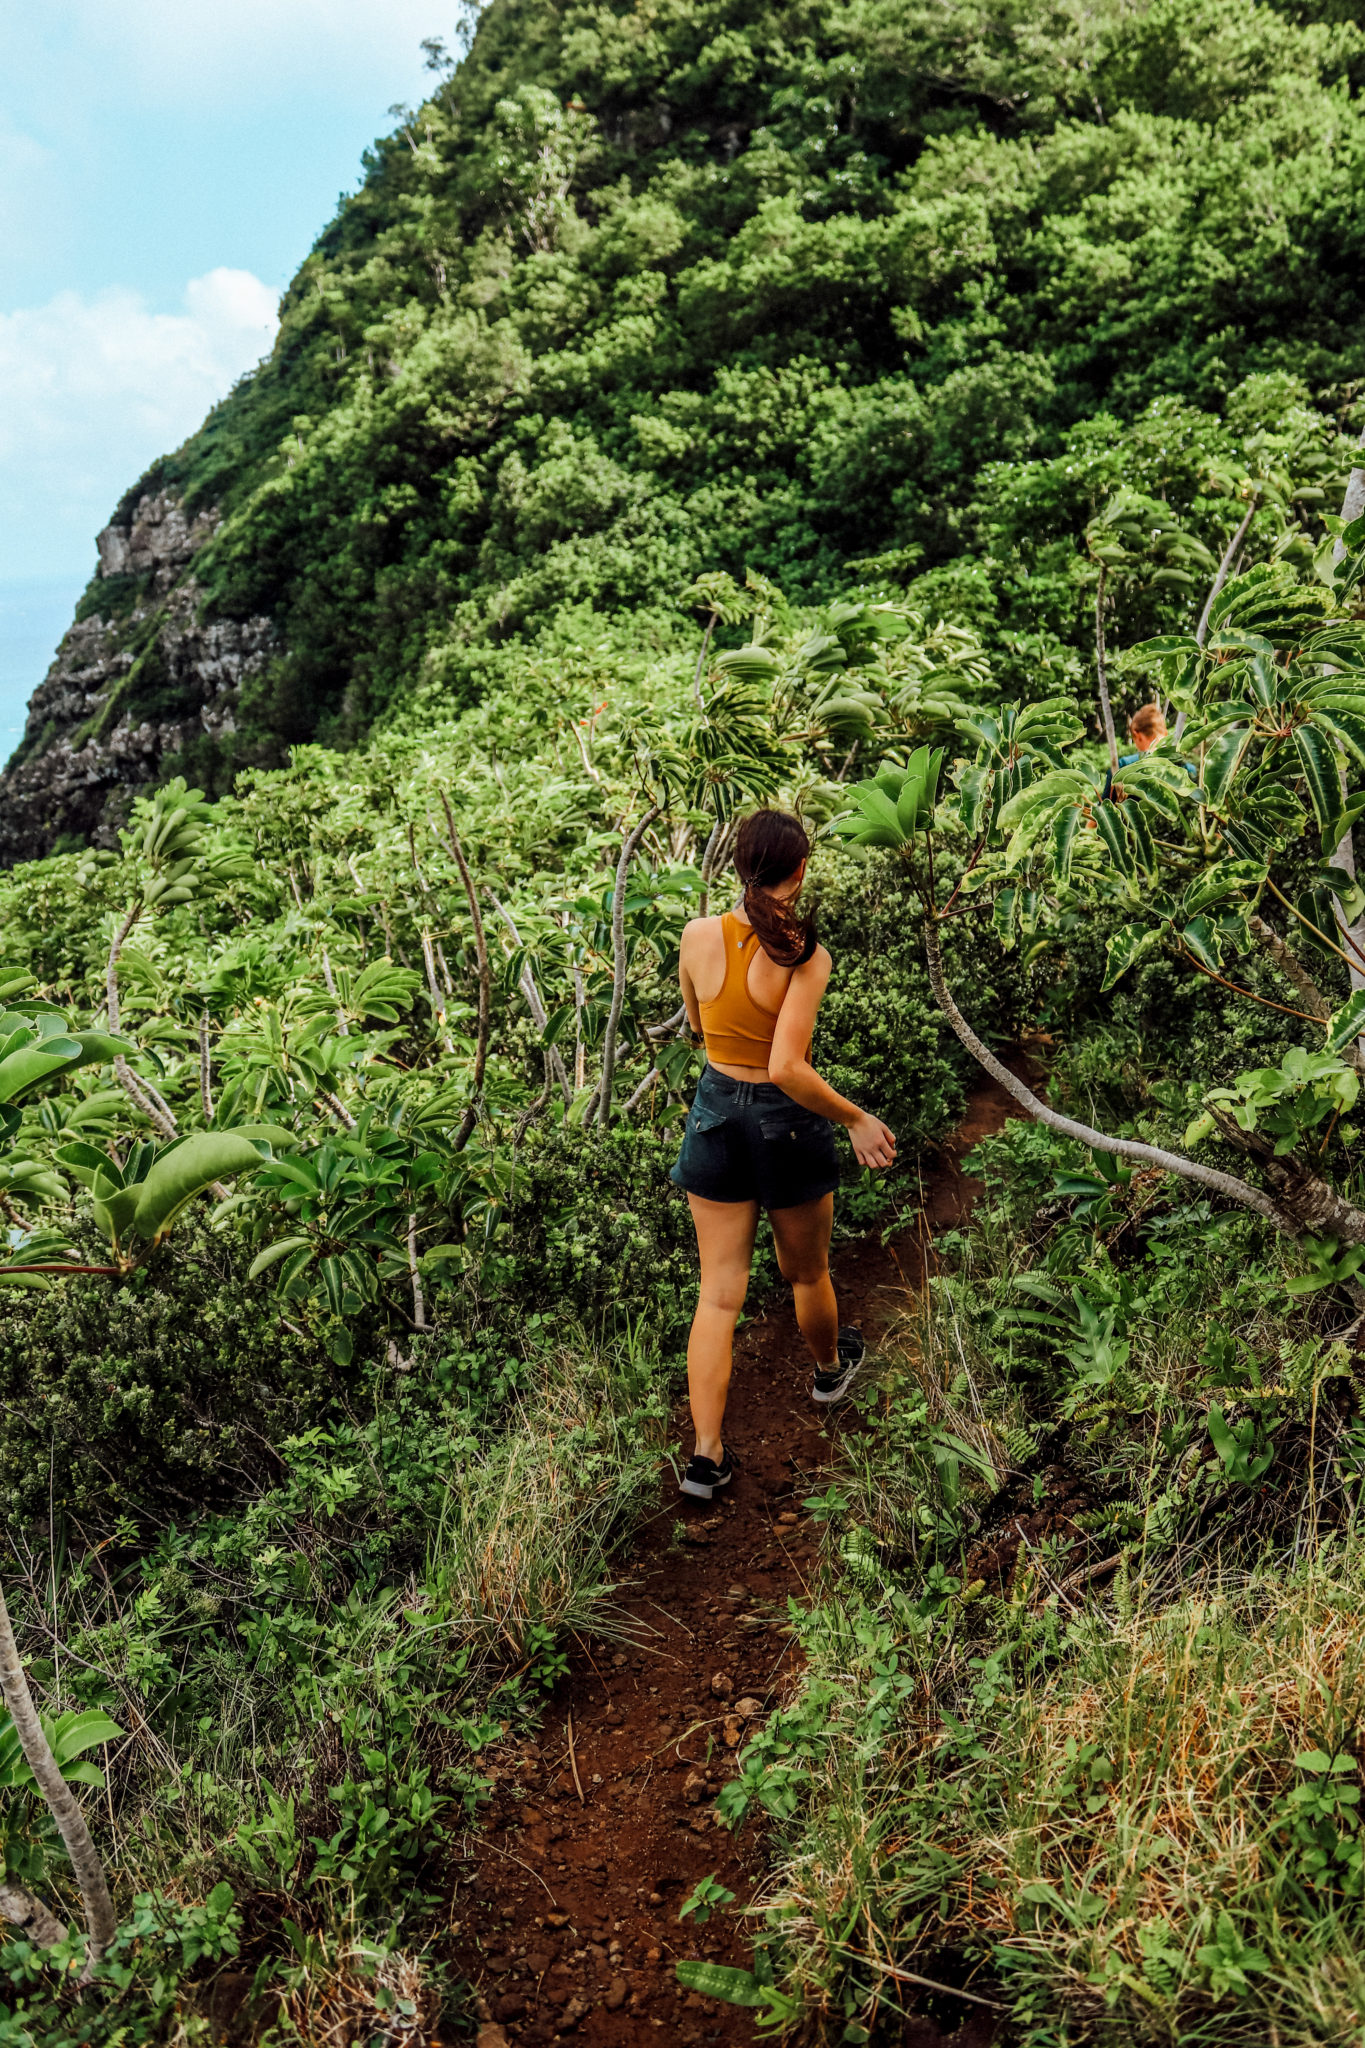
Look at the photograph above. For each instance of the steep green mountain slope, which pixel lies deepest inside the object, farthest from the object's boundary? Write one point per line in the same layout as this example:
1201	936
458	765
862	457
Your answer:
644	292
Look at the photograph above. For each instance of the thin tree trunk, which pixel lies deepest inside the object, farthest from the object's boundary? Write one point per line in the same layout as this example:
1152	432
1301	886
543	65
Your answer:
618	962
205	1069
438	1001
1102	673
111	998
342	1026
707	861
650	1080
526	982
1292	968
31	1916
701	661
338	1108
580	1050
1220	578
1224	570
1225	1184
470	1117
419	1307
101	1924
138	1093
1352	505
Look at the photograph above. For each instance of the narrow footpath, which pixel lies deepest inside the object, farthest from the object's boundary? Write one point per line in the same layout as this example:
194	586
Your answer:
565	1917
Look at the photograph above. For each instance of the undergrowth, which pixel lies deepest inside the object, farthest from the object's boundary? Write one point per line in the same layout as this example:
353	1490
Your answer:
1080	1733
308	1683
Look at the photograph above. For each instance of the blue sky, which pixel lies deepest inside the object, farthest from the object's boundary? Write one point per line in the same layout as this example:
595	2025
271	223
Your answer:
164	167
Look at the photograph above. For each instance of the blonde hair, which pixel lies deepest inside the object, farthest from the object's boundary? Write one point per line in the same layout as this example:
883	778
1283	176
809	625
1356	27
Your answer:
1148	722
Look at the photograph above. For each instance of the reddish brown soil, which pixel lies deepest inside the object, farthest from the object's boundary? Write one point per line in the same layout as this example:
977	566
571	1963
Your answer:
566	1916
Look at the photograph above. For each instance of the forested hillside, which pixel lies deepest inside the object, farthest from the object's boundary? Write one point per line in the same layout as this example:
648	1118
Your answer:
635	297
857	409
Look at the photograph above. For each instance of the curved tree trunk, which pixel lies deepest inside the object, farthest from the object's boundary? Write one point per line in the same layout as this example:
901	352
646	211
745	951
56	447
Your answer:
100	1921
471	1115
1099	1141
1220	578
1305	1205
1102	673
31	1916
618	963
1352	505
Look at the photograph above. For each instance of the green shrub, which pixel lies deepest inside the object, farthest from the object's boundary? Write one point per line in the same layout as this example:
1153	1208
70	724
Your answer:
881	1038
162	1394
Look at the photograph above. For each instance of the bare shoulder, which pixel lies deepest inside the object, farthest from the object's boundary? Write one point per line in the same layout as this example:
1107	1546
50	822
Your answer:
699	928
816	969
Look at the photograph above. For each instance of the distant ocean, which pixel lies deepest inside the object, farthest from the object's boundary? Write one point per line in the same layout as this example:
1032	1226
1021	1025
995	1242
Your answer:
33	617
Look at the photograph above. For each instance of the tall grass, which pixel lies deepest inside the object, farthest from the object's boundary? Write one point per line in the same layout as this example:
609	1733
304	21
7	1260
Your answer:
1123	1807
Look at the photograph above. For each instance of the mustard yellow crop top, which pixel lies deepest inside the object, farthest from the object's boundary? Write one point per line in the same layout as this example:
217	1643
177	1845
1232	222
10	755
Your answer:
738	1031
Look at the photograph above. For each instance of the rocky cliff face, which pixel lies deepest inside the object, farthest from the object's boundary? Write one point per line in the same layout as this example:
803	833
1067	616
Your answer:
138	679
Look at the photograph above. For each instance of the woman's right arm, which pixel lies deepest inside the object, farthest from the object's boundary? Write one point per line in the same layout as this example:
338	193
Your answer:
689	993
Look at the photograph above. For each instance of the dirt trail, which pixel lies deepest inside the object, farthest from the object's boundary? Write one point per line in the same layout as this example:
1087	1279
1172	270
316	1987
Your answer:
566	1912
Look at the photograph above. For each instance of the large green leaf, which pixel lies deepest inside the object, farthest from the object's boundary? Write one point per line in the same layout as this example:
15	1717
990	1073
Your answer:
273	1253
1063	843
1222	758
1201	937
719	1980
1058	784
973	789
97	1047
1317	757
1126	945
80	1730
1111	829
87	1162
29	1064
1227	879
185	1171
1346	1023
114	1208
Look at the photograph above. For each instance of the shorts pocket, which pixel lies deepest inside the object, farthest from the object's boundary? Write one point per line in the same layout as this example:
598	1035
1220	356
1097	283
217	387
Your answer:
796	1126
703	1121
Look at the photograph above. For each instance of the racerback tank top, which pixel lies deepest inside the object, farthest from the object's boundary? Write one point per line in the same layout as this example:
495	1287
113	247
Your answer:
738	1031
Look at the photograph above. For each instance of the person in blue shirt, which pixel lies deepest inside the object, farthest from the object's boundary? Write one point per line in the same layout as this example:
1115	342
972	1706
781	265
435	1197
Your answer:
1146	726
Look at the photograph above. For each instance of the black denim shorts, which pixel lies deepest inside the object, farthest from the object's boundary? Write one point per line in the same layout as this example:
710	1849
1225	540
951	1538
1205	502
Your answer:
745	1141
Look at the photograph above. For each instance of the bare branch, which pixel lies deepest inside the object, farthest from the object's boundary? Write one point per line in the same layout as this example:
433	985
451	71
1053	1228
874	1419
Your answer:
470	1117
1225	1184
31	1916
419	1307
205	1069
1220	578
1102	673
100	1920
651	1078
618	958
526	982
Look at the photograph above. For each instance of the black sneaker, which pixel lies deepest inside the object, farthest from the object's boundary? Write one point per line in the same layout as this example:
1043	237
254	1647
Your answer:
832	1382
704	1476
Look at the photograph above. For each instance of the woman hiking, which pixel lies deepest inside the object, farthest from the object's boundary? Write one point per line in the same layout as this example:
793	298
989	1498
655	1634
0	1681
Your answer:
761	1130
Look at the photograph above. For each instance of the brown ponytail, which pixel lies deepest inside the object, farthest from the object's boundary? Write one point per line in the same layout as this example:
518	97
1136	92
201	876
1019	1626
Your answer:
770	847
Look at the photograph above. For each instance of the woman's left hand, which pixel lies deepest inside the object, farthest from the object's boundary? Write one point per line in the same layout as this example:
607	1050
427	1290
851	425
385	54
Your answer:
874	1143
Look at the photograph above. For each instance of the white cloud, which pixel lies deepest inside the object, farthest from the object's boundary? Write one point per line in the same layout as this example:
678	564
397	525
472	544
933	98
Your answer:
157	45
92	389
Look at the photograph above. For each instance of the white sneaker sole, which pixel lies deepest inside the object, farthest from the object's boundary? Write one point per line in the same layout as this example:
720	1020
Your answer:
838	1391
697	1491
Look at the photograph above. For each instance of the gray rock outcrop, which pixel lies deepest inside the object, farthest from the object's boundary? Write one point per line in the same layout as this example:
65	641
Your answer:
140	678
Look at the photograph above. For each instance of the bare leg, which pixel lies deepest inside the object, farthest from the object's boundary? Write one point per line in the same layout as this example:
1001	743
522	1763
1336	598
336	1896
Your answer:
802	1238
725	1239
